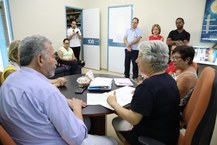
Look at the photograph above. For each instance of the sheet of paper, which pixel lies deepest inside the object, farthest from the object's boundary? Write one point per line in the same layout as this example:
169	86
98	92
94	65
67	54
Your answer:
96	98
123	82
123	96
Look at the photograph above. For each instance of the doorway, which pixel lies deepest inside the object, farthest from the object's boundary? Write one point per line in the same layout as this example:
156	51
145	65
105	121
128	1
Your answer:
74	14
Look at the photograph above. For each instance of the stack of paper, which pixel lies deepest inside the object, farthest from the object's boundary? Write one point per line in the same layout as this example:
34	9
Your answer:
100	83
123	82
123	96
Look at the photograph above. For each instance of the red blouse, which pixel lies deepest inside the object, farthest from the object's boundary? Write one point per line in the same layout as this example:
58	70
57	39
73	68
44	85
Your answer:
159	37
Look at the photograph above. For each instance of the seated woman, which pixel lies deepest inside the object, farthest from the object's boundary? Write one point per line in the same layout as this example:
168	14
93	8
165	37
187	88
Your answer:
186	77
155	31
66	56
154	109
13	65
171	69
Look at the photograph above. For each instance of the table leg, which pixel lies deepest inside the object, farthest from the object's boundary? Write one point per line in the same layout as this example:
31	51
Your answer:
98	126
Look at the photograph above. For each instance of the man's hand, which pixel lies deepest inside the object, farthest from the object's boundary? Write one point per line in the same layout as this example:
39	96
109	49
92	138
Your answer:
76	103
61	81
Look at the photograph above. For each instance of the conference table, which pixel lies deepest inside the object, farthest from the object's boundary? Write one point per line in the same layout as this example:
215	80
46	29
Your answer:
96	113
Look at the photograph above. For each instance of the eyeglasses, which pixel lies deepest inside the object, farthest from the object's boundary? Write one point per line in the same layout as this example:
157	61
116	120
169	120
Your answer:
175	58
66	43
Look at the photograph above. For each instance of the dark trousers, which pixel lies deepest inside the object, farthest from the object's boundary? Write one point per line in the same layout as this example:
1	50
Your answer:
131	56
73	64
76	51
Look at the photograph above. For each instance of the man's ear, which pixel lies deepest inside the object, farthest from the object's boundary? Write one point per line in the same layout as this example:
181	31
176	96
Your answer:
40	60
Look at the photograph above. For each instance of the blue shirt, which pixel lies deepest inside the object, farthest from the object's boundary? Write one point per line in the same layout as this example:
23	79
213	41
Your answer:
132	34
34	112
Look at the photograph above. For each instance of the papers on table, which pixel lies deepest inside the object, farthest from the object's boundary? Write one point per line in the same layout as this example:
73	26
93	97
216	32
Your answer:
100	83
123	82
123	96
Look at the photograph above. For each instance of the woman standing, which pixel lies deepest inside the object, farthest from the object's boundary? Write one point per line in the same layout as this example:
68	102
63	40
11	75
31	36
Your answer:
156	30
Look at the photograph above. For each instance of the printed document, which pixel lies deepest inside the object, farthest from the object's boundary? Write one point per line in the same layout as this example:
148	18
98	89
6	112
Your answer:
123	82
123	96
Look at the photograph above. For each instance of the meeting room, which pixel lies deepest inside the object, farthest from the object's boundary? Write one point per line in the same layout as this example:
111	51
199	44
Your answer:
99	72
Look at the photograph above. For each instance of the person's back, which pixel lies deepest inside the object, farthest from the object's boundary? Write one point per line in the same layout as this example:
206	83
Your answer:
159	99
29	116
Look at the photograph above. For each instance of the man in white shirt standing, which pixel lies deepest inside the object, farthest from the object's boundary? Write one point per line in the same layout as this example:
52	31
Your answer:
74	35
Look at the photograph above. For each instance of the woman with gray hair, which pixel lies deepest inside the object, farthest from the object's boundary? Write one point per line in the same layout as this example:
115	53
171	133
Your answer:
154	109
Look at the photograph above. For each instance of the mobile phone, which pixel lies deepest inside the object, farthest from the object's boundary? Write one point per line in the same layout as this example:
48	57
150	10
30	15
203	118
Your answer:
80	90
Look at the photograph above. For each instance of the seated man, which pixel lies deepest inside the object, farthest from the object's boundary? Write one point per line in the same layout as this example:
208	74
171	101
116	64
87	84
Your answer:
33	111
14	65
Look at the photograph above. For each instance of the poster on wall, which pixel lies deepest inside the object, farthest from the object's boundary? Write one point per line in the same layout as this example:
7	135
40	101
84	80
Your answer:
205	55
209	27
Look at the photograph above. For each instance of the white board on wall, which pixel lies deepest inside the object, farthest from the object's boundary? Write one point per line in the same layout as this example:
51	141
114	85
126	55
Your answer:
119	20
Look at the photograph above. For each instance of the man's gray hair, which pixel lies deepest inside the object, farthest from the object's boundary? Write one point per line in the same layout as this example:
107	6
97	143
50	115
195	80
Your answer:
155	53
30	47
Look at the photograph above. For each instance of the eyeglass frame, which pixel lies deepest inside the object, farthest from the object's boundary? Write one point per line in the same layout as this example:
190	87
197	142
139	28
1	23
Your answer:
175	58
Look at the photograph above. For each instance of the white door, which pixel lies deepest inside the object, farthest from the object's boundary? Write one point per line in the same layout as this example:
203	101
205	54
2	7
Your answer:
119	20
91	35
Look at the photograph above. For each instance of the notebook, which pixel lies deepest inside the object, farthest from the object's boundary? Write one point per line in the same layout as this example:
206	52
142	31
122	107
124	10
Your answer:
122	82
100	84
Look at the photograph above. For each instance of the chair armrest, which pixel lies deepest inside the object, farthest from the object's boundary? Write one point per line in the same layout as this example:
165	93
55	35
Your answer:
149	141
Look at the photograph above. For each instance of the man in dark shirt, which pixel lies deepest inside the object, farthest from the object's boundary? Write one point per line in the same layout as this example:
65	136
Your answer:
178	36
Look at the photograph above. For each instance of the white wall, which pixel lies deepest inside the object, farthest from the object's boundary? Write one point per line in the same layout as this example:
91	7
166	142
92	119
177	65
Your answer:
43	17
150	12
47	17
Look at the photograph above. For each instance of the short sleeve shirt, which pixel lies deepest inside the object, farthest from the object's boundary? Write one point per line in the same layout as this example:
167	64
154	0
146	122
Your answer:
175	35
75	41
157	99
132	34
67	54
159	37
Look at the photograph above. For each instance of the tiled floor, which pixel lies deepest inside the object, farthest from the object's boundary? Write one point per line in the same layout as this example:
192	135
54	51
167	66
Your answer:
109	129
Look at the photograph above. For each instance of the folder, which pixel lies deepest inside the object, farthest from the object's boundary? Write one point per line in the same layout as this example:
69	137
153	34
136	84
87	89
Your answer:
100	84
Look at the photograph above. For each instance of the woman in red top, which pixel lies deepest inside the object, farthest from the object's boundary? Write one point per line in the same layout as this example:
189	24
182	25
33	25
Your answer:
155	30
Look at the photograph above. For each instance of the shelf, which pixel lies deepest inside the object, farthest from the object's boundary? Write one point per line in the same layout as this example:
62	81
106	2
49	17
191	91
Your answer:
73	13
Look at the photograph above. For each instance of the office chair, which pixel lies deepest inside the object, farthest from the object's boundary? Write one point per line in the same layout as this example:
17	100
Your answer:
199	115
0	78
5	138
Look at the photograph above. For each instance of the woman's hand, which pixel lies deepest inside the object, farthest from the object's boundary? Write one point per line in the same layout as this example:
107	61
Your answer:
112	99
